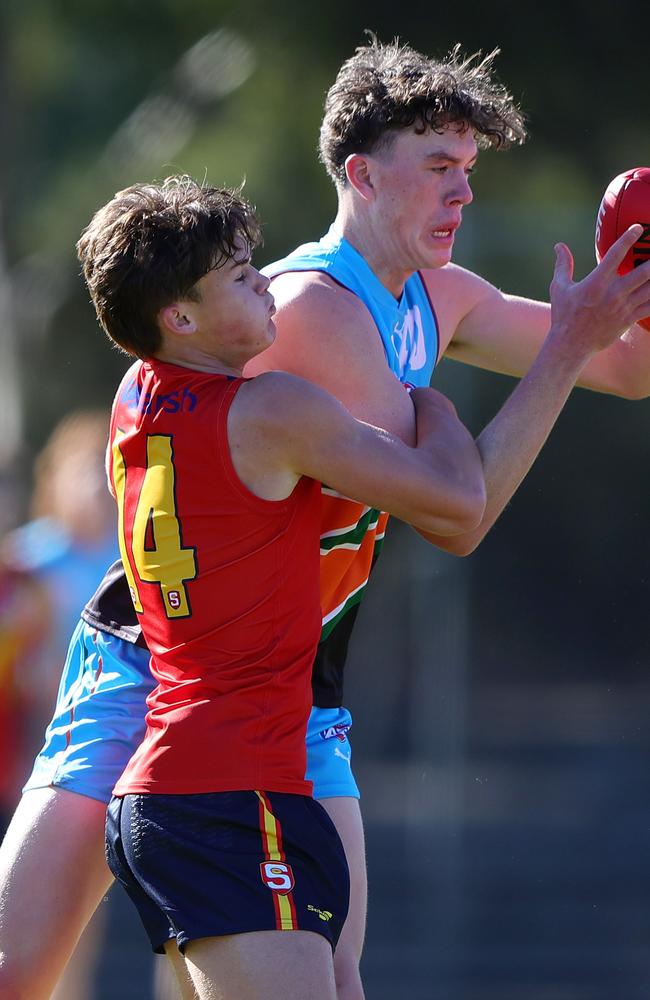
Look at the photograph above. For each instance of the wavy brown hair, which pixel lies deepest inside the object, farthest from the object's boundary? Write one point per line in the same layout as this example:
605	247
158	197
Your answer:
384	88
150	245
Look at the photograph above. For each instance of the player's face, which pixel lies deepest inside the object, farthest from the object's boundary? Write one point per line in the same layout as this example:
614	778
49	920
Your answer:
422	185
235	312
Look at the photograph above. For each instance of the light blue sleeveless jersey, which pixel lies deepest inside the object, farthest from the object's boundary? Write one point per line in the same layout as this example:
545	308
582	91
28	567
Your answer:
407	327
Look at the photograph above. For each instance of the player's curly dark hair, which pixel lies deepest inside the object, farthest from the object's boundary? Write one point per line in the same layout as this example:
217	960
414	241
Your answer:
384	88
150	244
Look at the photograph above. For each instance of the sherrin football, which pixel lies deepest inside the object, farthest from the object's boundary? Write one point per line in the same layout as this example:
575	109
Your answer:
625	202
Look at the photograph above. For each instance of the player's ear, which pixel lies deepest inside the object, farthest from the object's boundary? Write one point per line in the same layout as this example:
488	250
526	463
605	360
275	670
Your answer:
177	319
358	170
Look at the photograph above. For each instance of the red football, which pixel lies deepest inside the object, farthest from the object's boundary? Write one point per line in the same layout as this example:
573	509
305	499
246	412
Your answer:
625	202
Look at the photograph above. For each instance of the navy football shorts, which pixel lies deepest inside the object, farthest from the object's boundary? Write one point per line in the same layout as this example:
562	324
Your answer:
222	863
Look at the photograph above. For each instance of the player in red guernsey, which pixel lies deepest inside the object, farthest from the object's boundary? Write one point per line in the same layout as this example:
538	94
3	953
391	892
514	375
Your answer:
212	830
231	603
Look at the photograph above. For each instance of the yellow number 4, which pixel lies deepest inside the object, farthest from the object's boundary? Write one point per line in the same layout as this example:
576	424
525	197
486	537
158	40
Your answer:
157	549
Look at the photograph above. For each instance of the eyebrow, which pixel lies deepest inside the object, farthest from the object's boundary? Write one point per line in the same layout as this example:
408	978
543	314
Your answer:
234	262
441	155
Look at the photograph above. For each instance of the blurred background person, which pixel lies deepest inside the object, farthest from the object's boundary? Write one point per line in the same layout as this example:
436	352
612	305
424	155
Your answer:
69	541
24	623
48	567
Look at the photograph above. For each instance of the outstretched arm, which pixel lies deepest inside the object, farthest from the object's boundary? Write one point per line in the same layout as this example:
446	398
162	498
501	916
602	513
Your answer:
586	317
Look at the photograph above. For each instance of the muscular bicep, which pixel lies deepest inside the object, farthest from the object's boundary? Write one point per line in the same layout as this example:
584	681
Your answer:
373	466
281	427
504	334
326	335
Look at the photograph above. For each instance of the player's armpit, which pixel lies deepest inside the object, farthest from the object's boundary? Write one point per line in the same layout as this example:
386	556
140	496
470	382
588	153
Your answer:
326	335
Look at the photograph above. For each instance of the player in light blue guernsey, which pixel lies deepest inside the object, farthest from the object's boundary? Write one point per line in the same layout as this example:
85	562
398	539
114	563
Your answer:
399	139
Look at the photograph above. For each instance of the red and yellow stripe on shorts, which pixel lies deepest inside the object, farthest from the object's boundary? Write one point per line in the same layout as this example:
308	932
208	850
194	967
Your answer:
274	870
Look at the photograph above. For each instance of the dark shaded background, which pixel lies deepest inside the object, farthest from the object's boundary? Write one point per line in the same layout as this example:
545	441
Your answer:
500	702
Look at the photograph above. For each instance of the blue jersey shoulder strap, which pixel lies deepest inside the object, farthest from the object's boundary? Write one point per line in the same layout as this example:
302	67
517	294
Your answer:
407	326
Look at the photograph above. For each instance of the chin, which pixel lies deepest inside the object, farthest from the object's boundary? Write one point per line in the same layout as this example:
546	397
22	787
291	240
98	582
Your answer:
267	338
436	258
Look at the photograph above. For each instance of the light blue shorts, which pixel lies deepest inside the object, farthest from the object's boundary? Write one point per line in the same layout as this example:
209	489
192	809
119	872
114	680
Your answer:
99	715
99	721
329	753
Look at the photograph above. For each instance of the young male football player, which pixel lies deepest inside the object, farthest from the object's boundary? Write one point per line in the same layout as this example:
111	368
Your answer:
212	829
378	297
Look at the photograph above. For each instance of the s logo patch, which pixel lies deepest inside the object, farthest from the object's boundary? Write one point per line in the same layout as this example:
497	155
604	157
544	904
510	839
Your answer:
278	876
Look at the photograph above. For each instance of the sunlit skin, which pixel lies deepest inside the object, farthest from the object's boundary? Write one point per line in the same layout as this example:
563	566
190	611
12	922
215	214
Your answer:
403	203
231	321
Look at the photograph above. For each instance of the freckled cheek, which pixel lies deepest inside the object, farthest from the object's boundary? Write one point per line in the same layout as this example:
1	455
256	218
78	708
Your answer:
402	193
402	213
414	199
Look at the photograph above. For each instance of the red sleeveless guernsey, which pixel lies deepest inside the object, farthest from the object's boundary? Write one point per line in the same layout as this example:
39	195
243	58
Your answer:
226	588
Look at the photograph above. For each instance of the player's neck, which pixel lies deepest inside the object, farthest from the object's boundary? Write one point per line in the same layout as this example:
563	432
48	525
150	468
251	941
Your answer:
375	249
191	357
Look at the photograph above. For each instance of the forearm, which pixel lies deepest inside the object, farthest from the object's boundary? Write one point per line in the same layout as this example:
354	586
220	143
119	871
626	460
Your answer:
449	456
510	443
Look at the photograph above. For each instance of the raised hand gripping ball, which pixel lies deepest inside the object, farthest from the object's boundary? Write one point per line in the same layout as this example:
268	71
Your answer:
625	202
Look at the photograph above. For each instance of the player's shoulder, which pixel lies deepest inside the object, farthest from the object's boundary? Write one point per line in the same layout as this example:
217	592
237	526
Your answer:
276	396
316	295
455	293
323	329
276	407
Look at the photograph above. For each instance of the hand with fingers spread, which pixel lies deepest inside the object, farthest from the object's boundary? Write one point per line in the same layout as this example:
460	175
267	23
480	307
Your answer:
589	315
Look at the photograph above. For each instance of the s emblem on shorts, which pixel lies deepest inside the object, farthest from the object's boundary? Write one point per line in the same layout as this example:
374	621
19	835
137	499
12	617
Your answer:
322	914
277	876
